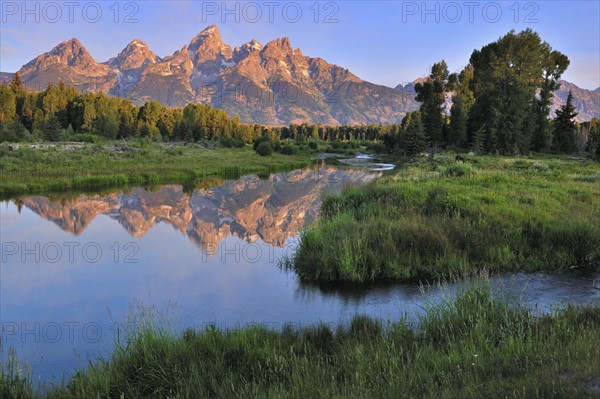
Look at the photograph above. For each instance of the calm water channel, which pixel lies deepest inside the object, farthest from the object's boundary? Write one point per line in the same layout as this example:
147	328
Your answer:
77	270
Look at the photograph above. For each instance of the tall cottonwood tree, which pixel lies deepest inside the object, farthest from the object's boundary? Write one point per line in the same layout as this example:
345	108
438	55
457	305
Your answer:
508	74
462	101
553	66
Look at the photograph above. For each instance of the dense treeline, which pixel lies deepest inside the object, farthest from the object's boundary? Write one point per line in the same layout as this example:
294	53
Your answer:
60	113
500	104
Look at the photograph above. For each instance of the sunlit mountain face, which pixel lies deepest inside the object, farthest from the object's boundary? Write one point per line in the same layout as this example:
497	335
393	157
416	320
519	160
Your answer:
273	84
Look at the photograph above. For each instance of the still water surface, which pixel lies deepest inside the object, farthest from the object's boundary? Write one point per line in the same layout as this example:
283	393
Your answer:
79	269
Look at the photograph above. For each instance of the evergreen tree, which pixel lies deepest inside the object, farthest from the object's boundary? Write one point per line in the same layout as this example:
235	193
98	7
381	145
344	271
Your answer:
565	127
413	139
462	101
17	84
51	129
431	96
594	137
8	104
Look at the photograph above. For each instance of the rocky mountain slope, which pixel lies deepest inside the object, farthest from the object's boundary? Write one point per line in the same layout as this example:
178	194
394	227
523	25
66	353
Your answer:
587	102
273	84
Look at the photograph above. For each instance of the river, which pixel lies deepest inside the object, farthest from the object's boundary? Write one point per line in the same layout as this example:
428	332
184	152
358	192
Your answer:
79	270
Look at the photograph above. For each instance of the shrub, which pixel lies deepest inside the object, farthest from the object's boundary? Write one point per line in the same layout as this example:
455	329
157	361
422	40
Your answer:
458	171
289	149
376	147
260	140
86	138
264	149
230	142
313	145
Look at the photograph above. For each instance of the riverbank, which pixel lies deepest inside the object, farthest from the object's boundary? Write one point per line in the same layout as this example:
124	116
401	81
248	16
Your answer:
456	216
59	167
471	346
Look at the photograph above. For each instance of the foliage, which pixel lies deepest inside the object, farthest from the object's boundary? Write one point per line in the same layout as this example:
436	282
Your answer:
431	96
565	128
507	75
412	141
264	149
289	149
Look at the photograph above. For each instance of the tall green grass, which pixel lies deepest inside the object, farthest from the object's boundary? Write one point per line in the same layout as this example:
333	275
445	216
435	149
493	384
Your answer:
446	219
28	171
471	346
15	380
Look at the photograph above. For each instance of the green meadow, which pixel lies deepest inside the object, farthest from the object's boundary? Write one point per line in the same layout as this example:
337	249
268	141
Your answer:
59	168
453	218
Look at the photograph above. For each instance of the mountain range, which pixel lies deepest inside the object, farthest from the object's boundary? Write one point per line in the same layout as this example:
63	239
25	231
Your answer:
273	84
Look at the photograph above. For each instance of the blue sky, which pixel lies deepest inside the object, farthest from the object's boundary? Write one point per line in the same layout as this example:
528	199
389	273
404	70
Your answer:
385	42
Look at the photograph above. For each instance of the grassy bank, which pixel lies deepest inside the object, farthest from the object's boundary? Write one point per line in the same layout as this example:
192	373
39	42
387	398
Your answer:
444	218
473	346
27	170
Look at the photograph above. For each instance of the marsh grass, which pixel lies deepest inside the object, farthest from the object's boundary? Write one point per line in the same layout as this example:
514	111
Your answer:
469	345
27	171
15	380
442	219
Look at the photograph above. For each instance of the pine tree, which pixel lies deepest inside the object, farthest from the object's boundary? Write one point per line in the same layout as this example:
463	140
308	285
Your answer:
431	96
565	128
51	129
8	104
458	123
17	84
413	139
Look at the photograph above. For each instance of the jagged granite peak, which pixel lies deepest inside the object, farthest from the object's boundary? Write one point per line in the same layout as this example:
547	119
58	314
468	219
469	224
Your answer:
278	46
177	63
167	81
211	32
135	55
209	56
72	64
242	52
70	53
321	69
280	60
208	46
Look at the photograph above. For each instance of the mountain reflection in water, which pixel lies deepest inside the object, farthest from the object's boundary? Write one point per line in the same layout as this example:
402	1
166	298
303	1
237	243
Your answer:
249	208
